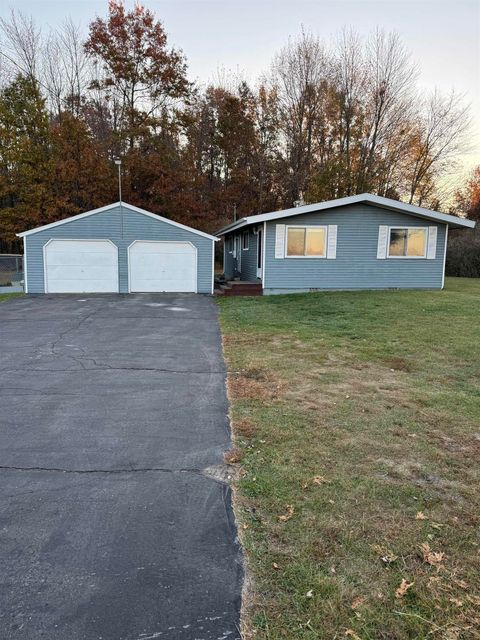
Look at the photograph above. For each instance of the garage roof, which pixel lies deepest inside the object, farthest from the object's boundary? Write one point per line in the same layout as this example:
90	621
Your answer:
125	205
367	198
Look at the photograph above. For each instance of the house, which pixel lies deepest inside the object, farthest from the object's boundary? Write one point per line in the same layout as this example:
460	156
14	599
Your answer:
118	248
358	242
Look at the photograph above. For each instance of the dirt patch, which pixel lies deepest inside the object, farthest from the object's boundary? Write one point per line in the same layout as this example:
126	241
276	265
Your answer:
255	383
233	456
399	364
244	427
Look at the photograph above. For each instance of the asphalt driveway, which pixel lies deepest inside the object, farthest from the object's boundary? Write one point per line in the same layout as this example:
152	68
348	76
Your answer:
115	521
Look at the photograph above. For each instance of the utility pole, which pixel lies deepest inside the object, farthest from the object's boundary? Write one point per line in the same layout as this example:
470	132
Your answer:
118	162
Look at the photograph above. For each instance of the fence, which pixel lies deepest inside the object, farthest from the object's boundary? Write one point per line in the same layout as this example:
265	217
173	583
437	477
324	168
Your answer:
11	269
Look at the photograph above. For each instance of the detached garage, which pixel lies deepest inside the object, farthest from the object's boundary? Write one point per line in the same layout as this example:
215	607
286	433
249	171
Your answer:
117	249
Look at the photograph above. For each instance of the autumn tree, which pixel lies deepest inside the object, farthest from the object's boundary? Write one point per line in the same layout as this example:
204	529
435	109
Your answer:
26	161
136	71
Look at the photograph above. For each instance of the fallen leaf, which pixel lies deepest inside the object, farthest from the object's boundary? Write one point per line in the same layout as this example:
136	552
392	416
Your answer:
351	633
456	602
288	515
403	588
309	594
319	480
420	516
275	565
356	602
461	583
386	555
333	570
431	557
244	525
332	501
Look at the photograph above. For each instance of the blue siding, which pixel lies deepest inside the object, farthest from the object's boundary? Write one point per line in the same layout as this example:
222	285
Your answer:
249	257
122	227
248	260
228	261
356	265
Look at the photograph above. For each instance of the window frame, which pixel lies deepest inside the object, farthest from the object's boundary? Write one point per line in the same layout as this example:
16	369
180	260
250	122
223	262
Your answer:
307	226
407	257
230	244
245	234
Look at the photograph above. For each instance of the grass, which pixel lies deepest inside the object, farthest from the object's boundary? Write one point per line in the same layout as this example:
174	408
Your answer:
356	418
7	296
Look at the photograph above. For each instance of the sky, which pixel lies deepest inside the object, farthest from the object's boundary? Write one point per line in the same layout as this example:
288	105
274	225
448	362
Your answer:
443	36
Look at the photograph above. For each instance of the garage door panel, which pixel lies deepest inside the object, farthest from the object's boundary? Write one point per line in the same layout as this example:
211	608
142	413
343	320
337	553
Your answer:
162	267
81	266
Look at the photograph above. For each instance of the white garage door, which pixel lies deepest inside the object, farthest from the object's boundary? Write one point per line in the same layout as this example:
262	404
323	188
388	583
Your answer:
81	266
162	267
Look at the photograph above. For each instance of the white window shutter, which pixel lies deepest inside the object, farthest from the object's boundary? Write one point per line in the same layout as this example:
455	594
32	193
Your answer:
279	241
432	243
382	242
332	242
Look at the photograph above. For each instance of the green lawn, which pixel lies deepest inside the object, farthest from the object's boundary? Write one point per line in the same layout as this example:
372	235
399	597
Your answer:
357	416
7	296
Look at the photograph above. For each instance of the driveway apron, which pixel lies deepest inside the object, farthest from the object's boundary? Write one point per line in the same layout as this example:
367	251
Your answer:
115	518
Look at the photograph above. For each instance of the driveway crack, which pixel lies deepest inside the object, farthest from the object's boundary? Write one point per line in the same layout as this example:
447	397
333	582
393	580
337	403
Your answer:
218	473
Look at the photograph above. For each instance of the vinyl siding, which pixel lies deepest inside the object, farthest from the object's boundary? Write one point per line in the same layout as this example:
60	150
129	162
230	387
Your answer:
228	261
122	227
249	258
356	265
248	262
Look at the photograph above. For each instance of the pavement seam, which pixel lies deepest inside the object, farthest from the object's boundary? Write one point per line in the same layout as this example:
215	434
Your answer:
200	472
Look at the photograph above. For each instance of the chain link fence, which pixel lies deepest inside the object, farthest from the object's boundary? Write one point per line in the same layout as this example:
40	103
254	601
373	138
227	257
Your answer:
11	270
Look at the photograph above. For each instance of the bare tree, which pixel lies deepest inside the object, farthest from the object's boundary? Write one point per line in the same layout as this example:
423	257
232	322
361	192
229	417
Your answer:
439	138
299	75
21	44
389	100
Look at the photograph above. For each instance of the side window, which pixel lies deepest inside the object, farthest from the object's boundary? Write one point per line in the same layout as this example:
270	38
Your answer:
245	240
407	242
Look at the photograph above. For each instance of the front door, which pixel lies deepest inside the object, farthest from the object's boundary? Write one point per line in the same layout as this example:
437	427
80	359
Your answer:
259	252
238	253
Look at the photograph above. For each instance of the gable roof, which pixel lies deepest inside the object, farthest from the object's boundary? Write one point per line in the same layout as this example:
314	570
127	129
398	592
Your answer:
366	198
125	205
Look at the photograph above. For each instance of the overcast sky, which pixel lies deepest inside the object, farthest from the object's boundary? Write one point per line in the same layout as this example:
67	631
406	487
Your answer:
242	35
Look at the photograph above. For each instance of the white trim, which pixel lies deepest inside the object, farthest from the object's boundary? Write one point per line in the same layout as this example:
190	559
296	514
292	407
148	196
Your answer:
444	255
213	269
163	242
382	241
367	198
306	226
25	276
332	234
279	241
264	251
432	242
389	257
45	279
113	206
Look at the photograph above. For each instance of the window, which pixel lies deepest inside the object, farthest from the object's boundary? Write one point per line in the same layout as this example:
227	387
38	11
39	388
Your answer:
306	242
245	240
230	244
407	242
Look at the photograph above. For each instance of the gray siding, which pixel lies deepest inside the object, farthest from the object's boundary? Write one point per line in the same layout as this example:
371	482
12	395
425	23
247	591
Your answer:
122	227
249	258
228	261
356	265
248	262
